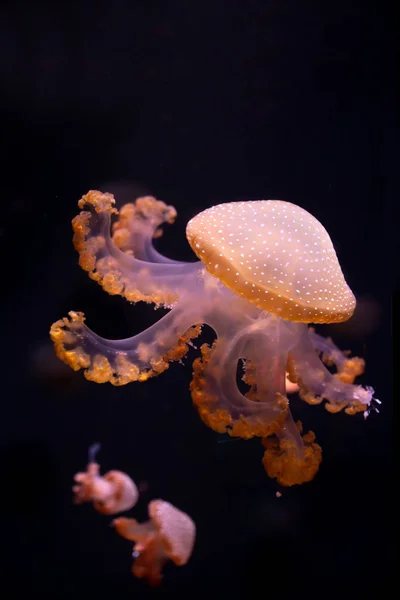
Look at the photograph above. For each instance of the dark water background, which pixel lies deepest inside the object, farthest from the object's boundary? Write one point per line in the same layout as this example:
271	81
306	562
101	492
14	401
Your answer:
196	103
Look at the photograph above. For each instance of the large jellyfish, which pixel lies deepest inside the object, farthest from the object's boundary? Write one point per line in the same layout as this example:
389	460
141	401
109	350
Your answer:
267	270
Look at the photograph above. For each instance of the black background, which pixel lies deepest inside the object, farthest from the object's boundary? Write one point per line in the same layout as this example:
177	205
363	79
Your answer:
196	103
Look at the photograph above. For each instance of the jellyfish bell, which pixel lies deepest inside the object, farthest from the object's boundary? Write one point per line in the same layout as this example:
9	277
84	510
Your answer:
275	254
169	534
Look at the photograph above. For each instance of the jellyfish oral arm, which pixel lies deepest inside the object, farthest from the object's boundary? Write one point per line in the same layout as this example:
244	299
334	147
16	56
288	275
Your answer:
126	264
138	224
133	359
321	384
262	410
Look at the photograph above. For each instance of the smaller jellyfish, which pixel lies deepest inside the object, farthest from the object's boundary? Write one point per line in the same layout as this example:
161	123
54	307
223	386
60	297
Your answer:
111	493
169	534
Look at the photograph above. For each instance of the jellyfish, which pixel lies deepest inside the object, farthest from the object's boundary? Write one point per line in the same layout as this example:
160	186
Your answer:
267	271
169	534
111	493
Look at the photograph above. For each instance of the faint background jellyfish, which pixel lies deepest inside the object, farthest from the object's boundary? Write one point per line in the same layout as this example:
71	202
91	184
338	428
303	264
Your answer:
267	269
169	534
111	493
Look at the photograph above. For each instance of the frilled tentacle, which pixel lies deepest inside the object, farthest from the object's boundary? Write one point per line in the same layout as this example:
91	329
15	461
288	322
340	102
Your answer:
123	265
261	412
138	224
289	457
316	383
348	367
122	361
